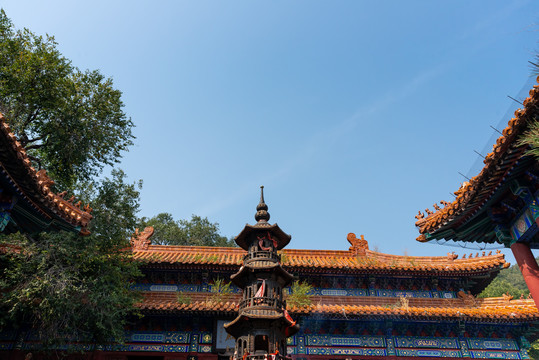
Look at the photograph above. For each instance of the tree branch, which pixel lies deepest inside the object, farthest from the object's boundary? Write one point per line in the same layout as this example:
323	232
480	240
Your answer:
31	117
35	139
35	146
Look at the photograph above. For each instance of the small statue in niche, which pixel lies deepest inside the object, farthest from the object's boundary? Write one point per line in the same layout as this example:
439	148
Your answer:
266	242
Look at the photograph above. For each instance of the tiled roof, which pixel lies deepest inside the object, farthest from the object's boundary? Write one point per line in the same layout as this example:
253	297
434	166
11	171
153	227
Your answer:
505	155
190	255
33	187
352	260
491	309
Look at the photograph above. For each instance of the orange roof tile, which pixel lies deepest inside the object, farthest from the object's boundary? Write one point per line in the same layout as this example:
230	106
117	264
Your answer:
35	185
490	309
480	188
352	260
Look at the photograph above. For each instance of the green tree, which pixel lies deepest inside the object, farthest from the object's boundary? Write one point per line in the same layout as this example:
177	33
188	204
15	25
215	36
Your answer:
63	284
499	287
71	122
508	281
195	232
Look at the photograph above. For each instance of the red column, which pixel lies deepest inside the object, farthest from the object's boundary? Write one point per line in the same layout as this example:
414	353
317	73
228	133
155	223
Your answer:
529	268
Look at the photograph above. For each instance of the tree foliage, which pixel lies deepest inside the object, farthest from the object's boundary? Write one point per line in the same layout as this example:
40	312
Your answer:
299	294
531	138
63	284
220	290
195	232
508	281
70	121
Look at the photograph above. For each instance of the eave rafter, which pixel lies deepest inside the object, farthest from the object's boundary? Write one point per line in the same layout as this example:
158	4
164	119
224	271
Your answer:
508	157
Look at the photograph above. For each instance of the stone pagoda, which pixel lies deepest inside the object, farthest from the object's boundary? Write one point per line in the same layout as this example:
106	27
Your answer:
262	324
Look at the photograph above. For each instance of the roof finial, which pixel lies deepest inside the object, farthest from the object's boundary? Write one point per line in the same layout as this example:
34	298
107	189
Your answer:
262	214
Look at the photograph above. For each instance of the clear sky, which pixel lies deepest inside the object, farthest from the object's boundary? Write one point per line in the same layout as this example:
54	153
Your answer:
353	114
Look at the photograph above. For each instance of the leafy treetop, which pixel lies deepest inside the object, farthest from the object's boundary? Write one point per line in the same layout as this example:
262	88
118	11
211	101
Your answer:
195	232
71	122
508	281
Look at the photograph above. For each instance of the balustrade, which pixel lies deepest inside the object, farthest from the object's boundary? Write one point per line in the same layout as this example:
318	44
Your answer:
261	255
262	301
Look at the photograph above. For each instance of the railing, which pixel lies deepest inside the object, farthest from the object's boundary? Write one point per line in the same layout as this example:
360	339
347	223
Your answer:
262	301
261	255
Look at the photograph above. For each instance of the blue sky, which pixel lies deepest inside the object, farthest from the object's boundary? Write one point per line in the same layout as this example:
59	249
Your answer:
353	114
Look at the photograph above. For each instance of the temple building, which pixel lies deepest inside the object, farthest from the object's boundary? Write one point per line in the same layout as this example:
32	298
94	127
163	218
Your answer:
500	204
362	305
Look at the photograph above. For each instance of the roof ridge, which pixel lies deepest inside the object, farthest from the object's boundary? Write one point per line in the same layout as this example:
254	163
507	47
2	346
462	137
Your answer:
468	190
189	248
506	310
41	183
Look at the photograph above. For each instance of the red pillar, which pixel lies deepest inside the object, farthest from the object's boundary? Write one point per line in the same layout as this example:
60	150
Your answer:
528	267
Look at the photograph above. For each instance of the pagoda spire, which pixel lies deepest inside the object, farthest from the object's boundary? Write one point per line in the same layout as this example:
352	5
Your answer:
262	215
262	325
